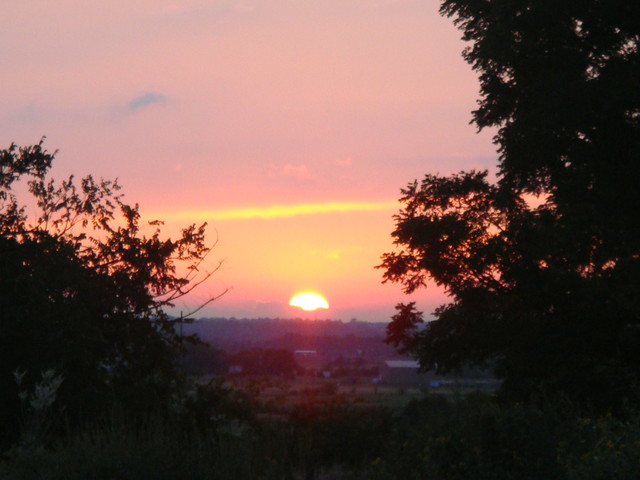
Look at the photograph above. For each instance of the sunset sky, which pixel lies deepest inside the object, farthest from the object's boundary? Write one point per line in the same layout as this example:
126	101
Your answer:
289	126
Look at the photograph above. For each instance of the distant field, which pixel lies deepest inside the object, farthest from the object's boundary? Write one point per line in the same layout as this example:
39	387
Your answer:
284	392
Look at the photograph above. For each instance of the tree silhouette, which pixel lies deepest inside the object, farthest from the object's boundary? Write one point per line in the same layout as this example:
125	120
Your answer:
543	267
82	289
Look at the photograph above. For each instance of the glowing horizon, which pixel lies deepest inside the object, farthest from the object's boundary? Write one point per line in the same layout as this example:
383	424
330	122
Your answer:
276	211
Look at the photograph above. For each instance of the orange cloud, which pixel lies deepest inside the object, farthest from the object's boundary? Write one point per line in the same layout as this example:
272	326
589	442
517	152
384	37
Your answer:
277	211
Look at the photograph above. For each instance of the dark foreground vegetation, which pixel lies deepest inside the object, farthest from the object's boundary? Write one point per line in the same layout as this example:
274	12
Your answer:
435	437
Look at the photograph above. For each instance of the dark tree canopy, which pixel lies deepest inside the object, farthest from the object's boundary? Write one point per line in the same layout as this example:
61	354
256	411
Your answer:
266	361
543	267
82	288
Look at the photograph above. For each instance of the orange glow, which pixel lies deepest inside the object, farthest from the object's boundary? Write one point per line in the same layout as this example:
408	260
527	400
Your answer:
278	211
309	301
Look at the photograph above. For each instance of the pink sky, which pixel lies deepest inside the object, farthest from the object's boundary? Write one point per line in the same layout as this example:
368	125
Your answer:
289	126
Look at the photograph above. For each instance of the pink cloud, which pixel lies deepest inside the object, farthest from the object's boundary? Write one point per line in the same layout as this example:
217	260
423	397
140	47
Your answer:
300	172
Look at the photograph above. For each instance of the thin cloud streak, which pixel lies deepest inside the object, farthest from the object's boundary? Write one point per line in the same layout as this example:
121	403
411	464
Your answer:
145	100
279	211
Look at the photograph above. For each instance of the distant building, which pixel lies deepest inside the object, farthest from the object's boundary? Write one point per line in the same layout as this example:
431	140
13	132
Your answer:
405	373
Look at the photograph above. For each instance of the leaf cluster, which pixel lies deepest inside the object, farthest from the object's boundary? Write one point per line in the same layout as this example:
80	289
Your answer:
83	287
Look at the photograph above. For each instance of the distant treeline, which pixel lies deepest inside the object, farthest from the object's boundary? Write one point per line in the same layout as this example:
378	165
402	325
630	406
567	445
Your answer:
331	337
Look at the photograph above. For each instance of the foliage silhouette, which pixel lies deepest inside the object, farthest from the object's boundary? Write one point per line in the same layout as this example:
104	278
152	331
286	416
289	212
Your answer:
82	290
543	266
266	361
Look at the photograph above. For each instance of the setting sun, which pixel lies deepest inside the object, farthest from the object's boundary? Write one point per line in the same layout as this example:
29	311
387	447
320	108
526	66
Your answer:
309	301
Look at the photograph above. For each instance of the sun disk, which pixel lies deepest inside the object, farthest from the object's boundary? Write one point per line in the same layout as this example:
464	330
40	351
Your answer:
309	301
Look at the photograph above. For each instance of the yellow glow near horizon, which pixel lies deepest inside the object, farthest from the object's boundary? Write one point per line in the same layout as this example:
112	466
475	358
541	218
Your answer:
309	301
277	211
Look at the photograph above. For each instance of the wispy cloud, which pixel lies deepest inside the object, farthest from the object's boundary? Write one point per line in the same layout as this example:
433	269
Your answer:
278	211
300	172
28	114
144	100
